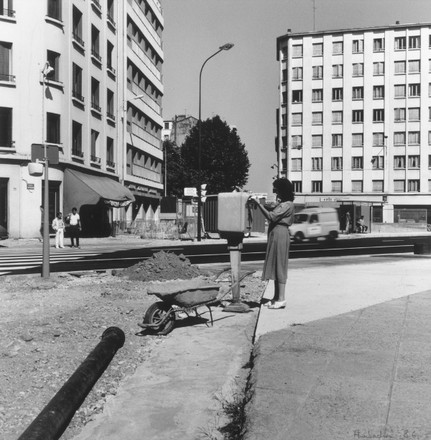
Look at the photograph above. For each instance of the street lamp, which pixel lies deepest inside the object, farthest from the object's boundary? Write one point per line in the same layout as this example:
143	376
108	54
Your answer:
226	46
47	69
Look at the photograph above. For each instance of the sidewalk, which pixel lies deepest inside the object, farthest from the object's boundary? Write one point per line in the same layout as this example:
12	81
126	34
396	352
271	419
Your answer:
350	355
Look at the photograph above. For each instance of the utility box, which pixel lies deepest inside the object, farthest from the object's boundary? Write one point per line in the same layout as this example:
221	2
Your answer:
232	214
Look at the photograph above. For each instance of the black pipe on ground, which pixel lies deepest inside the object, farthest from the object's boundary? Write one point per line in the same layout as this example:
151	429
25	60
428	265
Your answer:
57	414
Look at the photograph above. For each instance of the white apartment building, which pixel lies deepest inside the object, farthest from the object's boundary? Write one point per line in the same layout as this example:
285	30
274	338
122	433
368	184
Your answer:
354	122
98	101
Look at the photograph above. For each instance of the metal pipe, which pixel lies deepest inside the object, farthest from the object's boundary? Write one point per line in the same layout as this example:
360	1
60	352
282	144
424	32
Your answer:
57	414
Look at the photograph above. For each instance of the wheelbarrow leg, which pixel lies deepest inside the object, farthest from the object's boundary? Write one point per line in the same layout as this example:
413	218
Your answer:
211	315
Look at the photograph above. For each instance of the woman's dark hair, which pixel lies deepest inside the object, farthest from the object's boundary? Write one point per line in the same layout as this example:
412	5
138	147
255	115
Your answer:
284	189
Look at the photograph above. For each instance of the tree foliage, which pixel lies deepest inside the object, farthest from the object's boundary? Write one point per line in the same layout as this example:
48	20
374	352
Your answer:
174	169
224	159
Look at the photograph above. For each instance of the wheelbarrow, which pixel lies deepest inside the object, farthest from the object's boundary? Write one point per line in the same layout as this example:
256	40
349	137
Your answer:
178	296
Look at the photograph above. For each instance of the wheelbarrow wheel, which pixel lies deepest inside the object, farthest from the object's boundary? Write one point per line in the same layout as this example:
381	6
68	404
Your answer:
155	314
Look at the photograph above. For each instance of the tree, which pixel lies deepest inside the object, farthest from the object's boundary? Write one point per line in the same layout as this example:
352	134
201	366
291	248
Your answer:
224	159
175	169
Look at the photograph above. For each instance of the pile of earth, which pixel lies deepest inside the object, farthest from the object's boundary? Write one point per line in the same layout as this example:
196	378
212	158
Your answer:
161	266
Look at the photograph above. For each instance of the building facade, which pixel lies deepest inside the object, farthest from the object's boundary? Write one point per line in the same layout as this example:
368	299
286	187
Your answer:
178	128
83	77
354	118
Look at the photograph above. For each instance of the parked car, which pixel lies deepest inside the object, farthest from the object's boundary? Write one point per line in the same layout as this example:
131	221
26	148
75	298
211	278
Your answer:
312	223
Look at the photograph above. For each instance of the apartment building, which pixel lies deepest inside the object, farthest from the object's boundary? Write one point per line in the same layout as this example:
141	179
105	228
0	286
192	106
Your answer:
178	128
83	77
354	122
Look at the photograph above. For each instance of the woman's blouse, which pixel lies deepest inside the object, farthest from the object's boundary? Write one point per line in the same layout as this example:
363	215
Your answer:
282	214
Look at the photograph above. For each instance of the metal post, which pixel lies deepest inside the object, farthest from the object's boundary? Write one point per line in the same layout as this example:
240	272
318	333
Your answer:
45	254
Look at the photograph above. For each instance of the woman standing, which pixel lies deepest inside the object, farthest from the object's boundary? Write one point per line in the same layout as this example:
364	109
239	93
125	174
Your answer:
280	217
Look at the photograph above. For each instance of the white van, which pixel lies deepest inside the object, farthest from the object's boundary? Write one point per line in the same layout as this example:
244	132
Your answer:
311	223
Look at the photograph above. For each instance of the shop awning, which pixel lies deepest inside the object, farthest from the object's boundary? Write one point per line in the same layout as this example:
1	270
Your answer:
86	189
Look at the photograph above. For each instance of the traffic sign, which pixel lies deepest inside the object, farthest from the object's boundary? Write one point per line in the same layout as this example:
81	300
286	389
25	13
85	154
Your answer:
38	153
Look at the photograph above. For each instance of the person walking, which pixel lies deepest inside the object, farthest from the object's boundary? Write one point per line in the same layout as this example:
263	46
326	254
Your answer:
74	227
348	223
58	226
280	217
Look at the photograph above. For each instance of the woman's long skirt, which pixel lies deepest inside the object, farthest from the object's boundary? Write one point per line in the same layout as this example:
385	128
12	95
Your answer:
277	254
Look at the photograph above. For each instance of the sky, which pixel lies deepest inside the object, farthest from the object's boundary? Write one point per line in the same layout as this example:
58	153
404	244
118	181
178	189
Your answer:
241	85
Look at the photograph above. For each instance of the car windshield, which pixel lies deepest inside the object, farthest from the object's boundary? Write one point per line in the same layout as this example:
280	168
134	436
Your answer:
300	218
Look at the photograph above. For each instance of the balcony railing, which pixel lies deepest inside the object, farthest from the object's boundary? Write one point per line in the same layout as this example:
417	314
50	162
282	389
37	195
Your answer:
110	116
77	153
96	3
148	100
96	107
7	12
111	19
94	159
78	39
8	78
77	95
111	69
96	55
144	58
110	164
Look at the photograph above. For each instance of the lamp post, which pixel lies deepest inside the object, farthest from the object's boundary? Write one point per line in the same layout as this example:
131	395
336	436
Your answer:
47	69
226	46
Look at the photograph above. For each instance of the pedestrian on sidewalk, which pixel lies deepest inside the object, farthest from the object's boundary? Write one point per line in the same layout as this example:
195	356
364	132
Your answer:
58	226
280	217
74	227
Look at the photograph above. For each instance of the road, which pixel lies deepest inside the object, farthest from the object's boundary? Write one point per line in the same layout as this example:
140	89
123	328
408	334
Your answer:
25	261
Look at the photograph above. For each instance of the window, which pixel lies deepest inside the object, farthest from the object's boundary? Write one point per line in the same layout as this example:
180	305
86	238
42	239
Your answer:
53	59
284	120
379	68
109	56
296	96
413	186
414	114
297	141
296	73
77	26
337	94
296	164
53	128
336	163
414	90
95	95
316	186
358	69
400	43
429	161
414	42
54	9
414	162
358	93
399	162
399	114
336	186
77	82
357	140
378	162
316	163
317	95
399	138
296	118
5	127
399	186
337	71
317	118
378	92
429	138
94	146
297	50
378	139
317	72
378	44
400	91
77	139
414	138
337	140
5	61
316	141
358	46
110	152
357	163
377	185
414	66
337	47
284	98
297	186
111	16
110	104
357	185
95	45
400	67
378	115
357	116
429	90
317	49
337	117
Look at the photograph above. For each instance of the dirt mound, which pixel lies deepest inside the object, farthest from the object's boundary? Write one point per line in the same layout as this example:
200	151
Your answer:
161	266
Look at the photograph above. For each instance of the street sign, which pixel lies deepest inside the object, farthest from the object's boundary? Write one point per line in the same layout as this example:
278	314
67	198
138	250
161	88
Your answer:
38	153
190	192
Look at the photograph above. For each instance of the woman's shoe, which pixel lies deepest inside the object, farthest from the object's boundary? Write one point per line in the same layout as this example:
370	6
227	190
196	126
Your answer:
269	303
277	305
